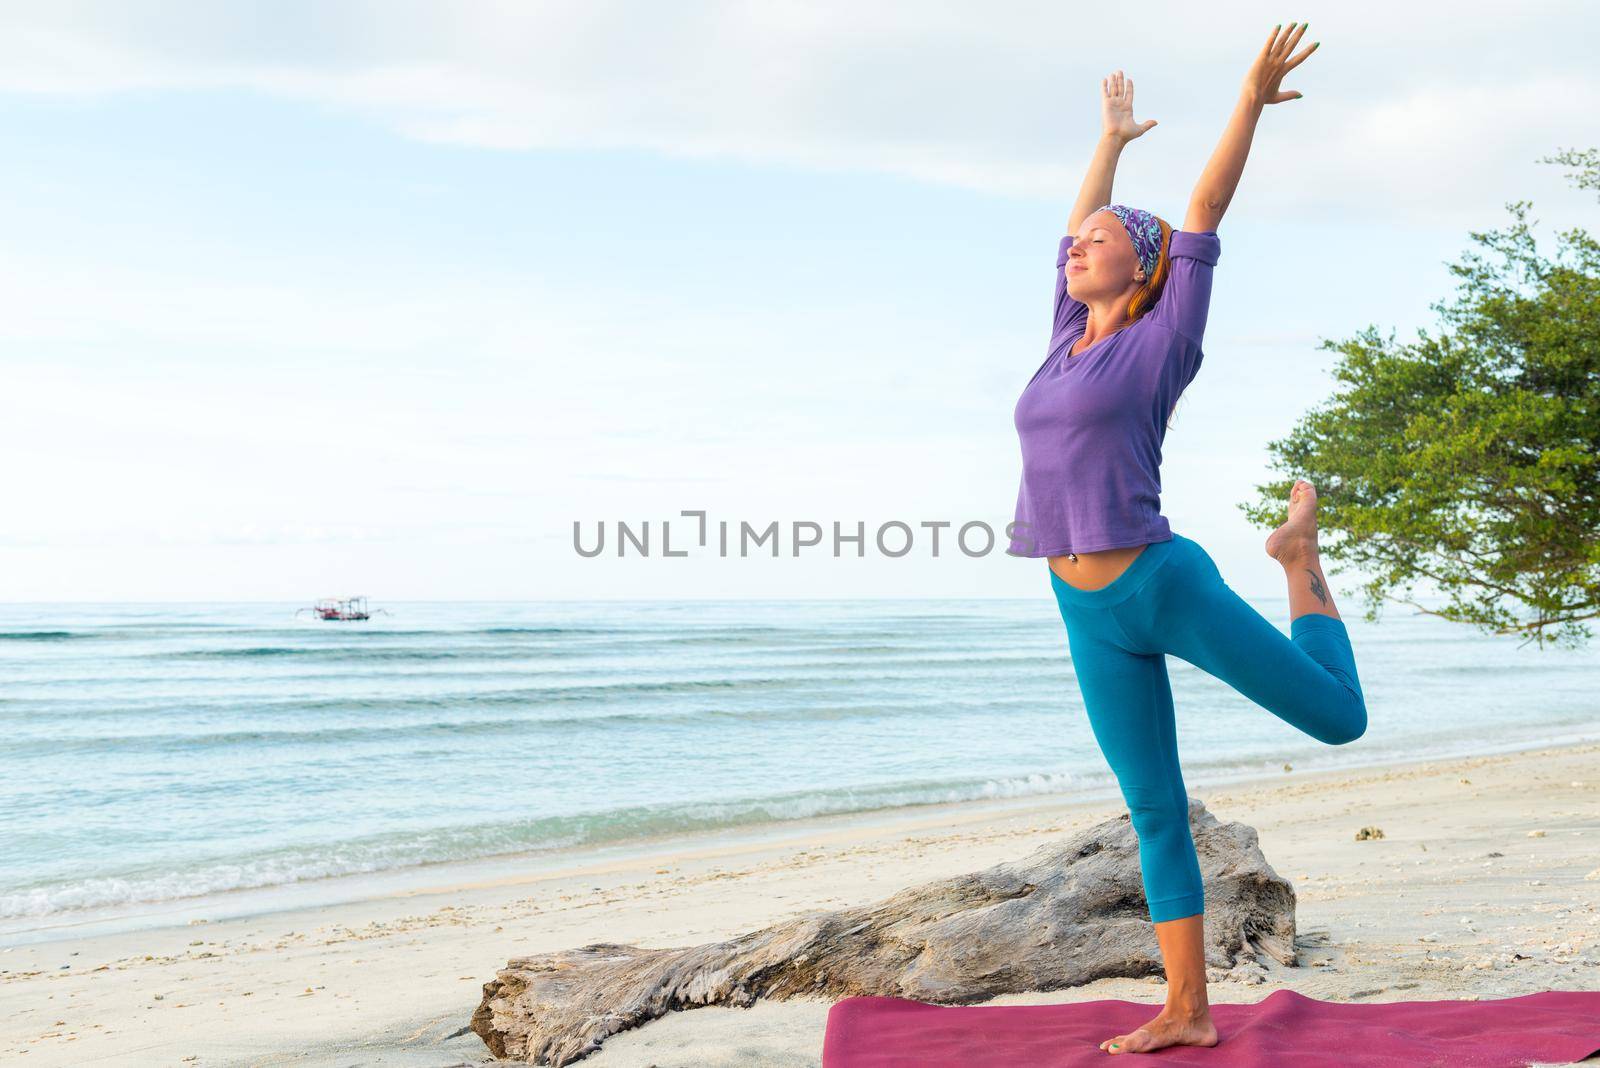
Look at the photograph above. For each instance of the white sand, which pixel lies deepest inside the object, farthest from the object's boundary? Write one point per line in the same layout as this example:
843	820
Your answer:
1425	912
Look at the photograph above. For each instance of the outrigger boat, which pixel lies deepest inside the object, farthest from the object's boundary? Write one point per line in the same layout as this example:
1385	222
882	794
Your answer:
342	609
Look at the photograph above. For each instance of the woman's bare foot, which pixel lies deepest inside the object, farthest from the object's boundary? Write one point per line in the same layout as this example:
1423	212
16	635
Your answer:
1165	1030
1296	540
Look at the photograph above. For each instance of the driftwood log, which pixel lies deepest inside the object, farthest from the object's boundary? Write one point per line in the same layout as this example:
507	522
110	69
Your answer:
1066	914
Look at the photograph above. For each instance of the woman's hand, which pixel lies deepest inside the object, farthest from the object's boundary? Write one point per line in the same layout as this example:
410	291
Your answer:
1116	108
1261	83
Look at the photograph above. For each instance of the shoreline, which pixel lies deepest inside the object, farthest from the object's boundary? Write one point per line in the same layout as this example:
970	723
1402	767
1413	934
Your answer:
259	903
1480	899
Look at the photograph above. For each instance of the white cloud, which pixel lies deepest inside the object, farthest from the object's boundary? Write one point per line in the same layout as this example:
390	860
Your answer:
1427	116
494	405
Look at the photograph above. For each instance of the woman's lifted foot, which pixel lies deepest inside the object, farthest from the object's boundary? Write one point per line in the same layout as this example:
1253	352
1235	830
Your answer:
1296	540
1165	1030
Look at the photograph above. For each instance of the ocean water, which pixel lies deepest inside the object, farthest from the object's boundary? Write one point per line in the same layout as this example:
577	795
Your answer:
160	753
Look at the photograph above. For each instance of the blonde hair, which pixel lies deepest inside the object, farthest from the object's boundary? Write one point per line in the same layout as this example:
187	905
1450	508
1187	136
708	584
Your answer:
1148	294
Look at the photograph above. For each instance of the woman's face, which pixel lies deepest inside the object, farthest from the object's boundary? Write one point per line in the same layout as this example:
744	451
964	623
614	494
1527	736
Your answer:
1102	261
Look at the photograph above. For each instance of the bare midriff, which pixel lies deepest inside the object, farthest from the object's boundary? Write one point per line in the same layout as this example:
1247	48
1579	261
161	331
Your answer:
1094	571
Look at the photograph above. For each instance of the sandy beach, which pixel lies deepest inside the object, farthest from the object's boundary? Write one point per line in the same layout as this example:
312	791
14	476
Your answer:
1486	883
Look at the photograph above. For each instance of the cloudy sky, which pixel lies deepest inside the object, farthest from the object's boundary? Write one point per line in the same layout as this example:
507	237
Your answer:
301	299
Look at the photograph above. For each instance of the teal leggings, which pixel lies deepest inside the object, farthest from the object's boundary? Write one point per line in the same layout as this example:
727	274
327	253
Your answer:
1172	599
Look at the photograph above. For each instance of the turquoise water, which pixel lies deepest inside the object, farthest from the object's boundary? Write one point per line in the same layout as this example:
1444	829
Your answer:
158	752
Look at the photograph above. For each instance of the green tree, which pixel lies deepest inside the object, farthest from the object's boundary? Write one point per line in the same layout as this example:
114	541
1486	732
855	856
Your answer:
1469	458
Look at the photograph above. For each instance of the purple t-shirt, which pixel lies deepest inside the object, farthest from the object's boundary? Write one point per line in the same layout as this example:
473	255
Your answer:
1091	425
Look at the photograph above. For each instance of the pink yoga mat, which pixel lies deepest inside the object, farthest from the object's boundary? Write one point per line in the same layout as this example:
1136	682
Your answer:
1284	1028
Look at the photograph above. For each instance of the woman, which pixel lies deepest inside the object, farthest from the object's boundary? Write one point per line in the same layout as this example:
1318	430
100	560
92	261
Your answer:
1131	304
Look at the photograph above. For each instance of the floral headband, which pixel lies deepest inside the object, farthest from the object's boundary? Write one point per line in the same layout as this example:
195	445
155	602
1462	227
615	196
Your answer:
1145	231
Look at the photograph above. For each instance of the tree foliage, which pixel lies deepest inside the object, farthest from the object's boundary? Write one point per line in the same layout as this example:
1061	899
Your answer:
1468	458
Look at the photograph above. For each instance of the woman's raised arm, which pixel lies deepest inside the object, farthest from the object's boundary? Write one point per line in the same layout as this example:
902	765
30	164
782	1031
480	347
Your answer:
1117	129
1221	177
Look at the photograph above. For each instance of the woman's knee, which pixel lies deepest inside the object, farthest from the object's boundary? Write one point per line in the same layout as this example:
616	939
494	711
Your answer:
1353	722
1350	726
1335	715
1157	811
